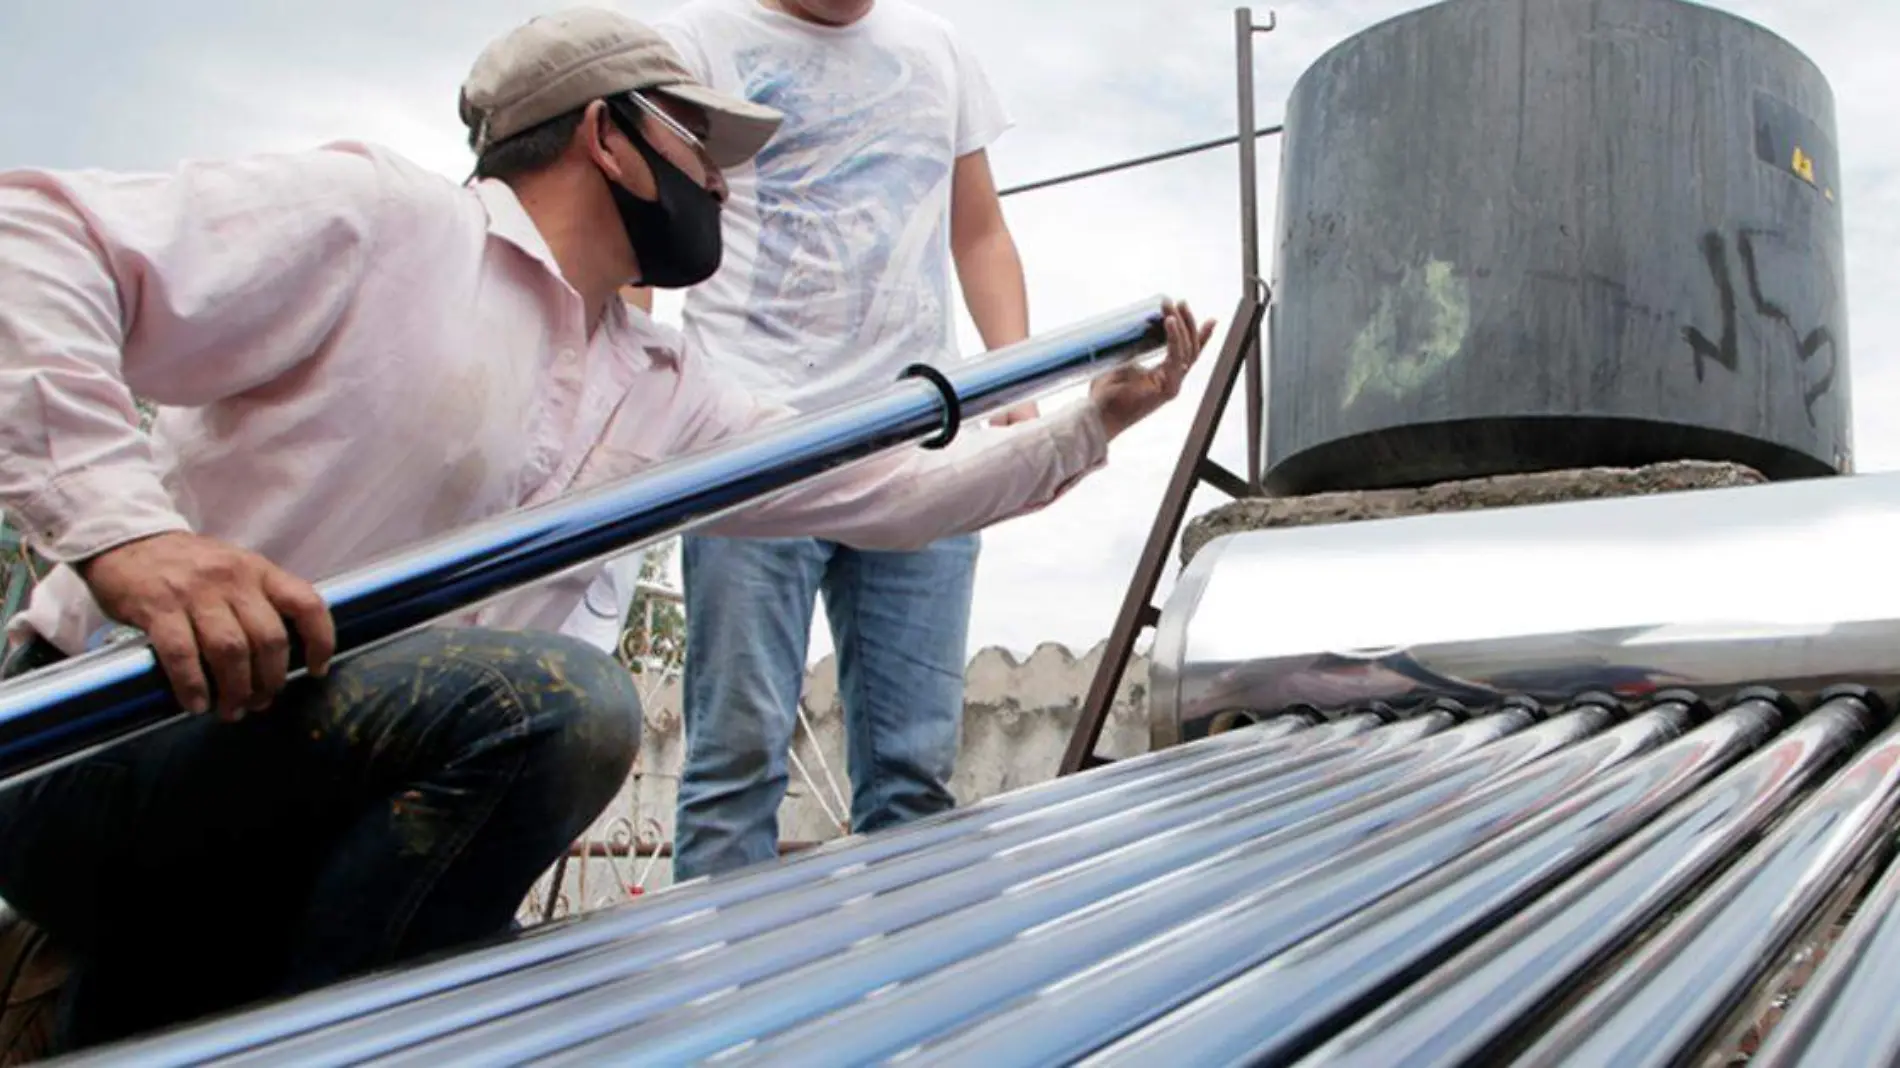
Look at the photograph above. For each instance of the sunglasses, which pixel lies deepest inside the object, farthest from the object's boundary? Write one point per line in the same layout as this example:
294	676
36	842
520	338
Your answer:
679	130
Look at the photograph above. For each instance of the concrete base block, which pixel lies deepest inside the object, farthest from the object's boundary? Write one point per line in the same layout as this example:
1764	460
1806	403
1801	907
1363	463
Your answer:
1503	491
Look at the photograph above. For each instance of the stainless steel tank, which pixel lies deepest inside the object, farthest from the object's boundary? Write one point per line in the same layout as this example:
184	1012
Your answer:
1787	584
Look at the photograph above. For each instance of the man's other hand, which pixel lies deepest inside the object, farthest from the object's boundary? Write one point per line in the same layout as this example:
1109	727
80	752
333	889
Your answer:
1132	393
196	597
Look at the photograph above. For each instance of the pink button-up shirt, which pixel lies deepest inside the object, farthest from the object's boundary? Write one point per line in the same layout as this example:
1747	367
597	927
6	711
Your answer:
352	354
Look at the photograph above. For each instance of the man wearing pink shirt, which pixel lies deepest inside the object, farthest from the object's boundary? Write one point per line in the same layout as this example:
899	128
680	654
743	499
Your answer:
352	354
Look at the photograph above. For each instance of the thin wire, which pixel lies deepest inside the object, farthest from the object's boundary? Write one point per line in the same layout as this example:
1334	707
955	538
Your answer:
1158	157
837	792
817	793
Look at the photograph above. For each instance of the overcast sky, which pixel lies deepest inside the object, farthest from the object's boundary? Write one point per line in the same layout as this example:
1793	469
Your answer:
104	83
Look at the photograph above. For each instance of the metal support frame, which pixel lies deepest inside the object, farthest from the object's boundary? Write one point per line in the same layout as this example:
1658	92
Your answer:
1241	351
1193	468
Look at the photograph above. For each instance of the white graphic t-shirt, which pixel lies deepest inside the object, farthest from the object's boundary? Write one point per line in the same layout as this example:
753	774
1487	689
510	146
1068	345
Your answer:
837	271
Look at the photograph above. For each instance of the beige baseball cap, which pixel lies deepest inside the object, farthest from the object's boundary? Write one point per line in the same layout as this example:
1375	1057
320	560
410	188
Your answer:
556	63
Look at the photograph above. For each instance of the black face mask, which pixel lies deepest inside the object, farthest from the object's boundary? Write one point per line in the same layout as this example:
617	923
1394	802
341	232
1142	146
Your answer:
676	238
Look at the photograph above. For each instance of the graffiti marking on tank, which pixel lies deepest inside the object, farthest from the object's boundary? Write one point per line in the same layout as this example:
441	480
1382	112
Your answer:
1806	346
1418	327
1726	349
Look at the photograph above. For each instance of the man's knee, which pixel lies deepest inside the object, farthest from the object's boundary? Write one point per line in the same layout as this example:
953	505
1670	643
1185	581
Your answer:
593	698
578	700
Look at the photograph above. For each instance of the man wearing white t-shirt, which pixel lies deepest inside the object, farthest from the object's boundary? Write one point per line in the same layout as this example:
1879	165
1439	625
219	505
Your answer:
840	237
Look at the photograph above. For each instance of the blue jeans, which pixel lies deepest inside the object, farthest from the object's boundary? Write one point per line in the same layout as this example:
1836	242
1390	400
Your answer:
900	622
401	807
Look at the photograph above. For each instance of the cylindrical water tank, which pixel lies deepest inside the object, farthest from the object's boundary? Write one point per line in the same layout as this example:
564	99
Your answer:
1525	235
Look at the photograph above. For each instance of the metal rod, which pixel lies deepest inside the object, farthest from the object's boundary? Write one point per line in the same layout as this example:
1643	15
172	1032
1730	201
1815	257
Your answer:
977	984
347	1001
657	995
1249	228
1296	830
1532	949
1138	161
68	711
1687	985
1075	831
1249	181
1554	809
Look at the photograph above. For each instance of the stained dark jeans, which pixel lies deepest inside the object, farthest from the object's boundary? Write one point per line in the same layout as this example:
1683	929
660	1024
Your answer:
401	807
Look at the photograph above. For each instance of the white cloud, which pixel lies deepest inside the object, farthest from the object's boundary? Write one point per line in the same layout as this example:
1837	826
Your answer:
145	85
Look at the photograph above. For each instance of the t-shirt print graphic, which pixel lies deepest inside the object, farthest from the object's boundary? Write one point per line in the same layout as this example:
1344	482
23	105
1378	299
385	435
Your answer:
852	203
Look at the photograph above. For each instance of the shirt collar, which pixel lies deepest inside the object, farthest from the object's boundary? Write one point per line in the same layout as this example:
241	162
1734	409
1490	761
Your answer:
508	220
660	344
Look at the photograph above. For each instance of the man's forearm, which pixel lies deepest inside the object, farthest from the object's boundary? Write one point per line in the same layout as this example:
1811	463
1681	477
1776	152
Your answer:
905	500
911	497
991	272
76	473
992	275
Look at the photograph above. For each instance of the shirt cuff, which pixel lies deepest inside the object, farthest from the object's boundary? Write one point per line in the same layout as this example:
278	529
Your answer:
85	513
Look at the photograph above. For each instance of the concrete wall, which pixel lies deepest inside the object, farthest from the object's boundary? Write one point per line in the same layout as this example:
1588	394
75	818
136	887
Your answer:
1018	716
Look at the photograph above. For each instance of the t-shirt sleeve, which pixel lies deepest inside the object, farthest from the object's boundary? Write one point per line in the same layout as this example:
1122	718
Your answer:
681	29
981	118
